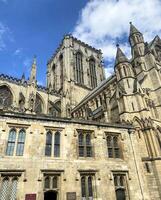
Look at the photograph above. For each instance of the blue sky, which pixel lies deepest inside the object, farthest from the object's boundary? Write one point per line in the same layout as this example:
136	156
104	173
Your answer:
36	27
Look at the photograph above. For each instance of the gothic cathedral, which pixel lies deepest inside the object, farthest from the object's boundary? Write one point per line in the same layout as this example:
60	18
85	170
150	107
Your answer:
82	136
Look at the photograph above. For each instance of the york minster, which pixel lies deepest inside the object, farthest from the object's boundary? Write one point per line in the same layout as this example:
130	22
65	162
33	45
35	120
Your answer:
82	136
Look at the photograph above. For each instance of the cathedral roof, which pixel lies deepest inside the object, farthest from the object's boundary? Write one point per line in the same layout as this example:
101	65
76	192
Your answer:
120	56
133	29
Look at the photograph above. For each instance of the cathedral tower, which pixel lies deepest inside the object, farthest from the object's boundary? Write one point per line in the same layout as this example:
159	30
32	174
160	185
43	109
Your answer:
73	71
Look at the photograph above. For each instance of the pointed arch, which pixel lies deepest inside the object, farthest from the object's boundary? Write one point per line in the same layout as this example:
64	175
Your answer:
92	70
57	144
79	76
6	97
137	123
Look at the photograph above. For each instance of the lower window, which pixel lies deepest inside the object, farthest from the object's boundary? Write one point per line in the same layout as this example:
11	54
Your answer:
87	187
8	188
120	186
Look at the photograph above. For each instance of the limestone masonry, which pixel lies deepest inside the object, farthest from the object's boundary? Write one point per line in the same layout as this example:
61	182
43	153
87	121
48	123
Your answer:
84	137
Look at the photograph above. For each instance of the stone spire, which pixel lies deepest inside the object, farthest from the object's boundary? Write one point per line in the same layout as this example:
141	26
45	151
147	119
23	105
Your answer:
33	71
133	29
120	56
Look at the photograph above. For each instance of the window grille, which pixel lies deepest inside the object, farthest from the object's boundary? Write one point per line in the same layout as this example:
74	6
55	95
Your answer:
8	188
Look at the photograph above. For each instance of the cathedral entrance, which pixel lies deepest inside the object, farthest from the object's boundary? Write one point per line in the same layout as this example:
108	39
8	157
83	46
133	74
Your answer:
50	195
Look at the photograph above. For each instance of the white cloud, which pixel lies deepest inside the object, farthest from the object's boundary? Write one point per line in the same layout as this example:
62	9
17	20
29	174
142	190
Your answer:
103	23
18	52
5	36
3	31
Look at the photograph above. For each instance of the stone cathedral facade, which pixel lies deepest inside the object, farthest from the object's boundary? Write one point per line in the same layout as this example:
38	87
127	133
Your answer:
84	137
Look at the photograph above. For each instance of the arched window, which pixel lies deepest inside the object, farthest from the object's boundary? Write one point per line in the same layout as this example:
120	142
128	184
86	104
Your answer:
6	97
79	68
109	145
47	182
38	105
20	143
83	186
85	147
88	145
116	147
54	76
81	145
120	186
113	146
48	144
86	187
55	182
11	142
90	189
57	144
92	68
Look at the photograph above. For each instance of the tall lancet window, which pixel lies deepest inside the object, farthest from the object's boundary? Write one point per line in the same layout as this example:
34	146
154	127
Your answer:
79	68
92	68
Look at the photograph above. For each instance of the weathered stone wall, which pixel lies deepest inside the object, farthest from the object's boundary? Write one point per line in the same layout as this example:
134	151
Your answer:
69	165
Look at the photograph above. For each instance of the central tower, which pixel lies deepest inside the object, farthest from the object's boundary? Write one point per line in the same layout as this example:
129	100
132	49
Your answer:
73	71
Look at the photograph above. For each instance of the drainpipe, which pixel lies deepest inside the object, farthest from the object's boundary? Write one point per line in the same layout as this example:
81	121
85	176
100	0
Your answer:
136	166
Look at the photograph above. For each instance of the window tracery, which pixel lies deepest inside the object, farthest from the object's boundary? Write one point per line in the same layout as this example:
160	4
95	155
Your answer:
6	97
